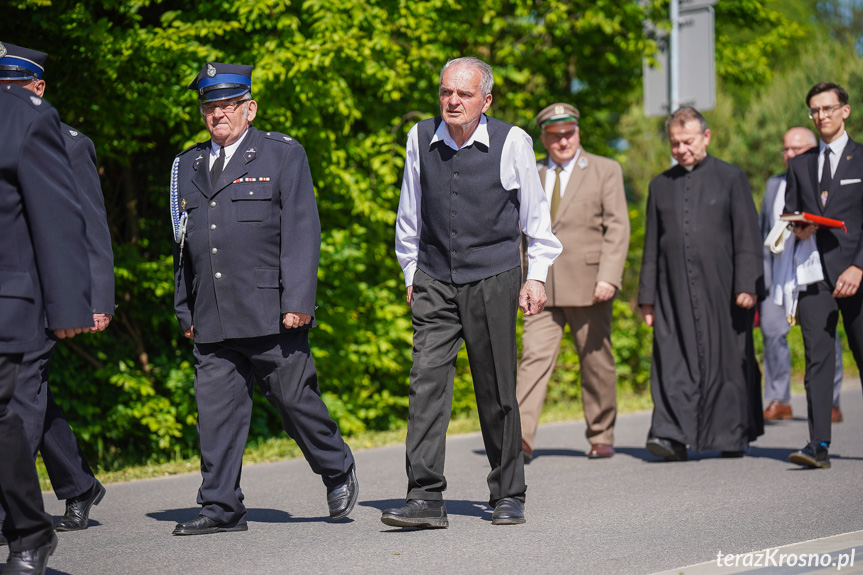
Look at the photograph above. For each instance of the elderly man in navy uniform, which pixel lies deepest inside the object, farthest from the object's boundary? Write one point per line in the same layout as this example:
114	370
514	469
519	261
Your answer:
45	424
245	266
44	278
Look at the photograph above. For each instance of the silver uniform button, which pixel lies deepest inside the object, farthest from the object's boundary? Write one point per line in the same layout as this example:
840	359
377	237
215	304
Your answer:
218	275
213	226
213	204
215	250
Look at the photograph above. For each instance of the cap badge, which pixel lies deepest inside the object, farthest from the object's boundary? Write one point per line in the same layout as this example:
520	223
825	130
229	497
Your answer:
2	50
211	70
197	162
73	133
559	110
37	101
582	162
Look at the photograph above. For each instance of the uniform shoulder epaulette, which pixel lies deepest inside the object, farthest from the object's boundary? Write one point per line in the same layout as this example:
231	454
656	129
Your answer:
71	132
279	137
32	99
195	146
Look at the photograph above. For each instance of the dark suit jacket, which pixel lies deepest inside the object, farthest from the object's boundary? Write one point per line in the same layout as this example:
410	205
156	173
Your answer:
44	271
253	243
82	155
838	249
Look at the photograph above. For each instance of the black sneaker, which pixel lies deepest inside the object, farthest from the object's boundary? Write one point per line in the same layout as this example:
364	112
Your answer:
814	455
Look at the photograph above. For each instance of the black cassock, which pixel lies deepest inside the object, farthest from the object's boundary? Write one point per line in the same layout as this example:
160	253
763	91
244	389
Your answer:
702	247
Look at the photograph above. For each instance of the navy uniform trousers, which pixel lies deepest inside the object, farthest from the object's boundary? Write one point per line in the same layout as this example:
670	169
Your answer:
224	383
483	315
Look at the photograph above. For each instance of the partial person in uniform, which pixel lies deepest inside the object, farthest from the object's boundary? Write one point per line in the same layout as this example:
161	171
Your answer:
44	277
828	182
45	424
470	183
701	276
773	319
589	216
246	269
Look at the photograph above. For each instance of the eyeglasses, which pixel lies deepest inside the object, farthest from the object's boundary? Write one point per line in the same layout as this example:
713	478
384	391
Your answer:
795	149
826	110
226	108
556	137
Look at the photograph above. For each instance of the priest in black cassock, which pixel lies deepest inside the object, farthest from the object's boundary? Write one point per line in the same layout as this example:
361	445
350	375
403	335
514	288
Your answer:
701	275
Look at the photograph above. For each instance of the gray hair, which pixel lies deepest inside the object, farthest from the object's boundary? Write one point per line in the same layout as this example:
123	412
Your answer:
681	116
487	81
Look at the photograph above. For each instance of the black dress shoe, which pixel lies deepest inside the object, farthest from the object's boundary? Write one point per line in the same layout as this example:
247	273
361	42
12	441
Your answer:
342	499
202	525
668	449
77	515
814	455
421	513
30	561
732	454
508	511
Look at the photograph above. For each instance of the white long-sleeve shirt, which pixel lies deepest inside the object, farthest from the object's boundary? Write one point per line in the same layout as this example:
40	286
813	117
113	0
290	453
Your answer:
517	170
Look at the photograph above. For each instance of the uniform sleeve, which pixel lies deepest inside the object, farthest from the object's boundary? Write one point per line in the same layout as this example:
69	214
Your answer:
650	253
83	157
301	234
56	225
615	221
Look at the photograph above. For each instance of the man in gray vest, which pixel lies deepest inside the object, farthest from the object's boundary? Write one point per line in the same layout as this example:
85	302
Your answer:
470	183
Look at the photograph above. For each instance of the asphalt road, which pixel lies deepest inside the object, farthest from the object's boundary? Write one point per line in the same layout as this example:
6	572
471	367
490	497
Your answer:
628	514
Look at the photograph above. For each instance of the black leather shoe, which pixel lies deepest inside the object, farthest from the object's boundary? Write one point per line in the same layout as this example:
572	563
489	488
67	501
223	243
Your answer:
342	499
421	513
77	515
202	525
732	454
814	455
30	561
668	449
508	511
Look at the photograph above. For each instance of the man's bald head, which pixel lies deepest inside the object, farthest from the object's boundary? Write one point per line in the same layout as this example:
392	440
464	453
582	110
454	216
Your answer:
796	141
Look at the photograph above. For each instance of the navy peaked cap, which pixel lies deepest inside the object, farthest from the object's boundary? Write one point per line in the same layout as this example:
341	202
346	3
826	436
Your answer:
217	81
17	63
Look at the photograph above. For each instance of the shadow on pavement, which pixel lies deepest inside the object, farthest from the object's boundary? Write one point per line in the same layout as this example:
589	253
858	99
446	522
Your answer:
256	515
453	506
546	453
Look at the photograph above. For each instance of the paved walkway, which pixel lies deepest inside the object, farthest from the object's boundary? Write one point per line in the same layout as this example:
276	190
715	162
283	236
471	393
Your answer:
628	514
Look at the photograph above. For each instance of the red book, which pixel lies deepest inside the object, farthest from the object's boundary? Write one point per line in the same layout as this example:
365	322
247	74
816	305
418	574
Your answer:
807	218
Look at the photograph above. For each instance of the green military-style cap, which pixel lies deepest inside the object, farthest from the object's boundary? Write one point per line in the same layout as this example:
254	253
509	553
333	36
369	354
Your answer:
558	112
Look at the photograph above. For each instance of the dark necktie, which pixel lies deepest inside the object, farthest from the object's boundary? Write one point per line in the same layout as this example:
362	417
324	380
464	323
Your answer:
826	176
555	192
217	168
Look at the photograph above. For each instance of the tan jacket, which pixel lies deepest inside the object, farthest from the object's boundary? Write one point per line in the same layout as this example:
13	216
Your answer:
592	223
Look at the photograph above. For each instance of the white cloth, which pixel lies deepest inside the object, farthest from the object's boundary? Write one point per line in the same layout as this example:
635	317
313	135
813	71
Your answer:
565	173
517	171
799	266
229	150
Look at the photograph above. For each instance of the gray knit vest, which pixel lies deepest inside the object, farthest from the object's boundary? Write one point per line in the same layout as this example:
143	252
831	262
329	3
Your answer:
469	220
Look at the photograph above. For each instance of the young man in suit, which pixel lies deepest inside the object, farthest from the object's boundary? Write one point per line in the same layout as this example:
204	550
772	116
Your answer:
828	181
590	218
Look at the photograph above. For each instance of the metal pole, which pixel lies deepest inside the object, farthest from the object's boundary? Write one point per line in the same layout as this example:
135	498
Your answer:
674	57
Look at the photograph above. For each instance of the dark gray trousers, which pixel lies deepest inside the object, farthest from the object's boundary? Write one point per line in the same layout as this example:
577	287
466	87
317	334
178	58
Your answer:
819	315
481	314
26	526
225	373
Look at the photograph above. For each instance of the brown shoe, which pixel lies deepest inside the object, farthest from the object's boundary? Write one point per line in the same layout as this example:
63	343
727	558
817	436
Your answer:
527	451
776	411
600	451
836	416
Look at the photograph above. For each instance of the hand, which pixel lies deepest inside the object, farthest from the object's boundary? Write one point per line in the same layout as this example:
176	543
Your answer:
803	232
647	314
603	291
410	295
190	333
69	332
532	298
100	322
746	300
292	320
848	282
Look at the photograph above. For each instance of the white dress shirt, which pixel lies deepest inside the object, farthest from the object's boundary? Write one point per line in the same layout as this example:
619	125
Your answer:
229	150
837	146
517	170
565	173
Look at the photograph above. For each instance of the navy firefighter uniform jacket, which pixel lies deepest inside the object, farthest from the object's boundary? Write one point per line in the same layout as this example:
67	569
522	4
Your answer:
252	241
